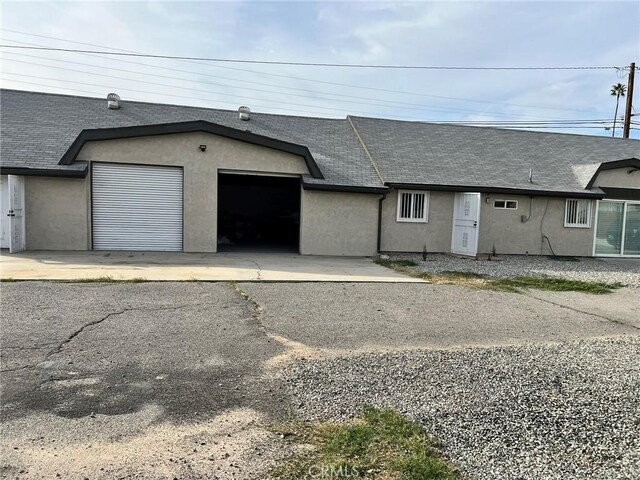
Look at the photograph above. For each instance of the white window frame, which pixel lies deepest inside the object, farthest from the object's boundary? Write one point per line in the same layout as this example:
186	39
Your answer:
623	233
505	204
568	224
413	193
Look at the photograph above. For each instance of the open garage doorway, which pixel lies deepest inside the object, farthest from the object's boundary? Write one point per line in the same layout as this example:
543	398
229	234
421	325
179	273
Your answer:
258	213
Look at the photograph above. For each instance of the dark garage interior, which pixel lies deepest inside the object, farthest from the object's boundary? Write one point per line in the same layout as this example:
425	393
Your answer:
257	212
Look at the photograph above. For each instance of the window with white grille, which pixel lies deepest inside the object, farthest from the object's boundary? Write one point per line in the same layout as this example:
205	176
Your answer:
505	204
577	213
413	206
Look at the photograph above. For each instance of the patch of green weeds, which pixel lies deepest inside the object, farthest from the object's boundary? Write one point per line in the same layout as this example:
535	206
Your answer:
106	279
555	284
396	263
381	444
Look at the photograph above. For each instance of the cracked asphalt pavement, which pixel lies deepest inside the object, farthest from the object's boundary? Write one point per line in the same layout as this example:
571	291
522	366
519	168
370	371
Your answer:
164	380
91	368
351	317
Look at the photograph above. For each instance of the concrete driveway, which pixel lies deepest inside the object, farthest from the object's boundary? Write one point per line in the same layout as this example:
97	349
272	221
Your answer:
245	267
164	380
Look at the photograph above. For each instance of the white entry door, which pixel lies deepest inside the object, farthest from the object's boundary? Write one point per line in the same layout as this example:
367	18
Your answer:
5	227
17	241
12	212
466	216
136	207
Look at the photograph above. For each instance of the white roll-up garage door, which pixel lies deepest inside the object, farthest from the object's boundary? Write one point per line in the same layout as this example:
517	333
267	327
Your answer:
136	207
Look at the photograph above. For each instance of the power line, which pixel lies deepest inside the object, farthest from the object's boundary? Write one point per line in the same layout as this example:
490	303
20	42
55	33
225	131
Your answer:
514	122
546	122
479	123
463	123
94	94
556	124
554	128
290	77
198	98
458	122
405	105
387	103
244	97
241	96
304	64
316	92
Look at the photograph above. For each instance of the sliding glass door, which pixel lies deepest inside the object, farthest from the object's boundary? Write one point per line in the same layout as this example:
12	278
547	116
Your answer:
632	230
618	228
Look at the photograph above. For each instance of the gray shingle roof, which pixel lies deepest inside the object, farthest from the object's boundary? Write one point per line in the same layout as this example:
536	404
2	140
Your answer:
37	129
436	154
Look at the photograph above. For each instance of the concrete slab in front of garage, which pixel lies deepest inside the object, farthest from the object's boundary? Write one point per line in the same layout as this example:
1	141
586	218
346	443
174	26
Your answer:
271	267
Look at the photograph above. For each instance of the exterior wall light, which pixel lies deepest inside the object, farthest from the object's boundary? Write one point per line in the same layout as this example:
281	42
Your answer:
203	148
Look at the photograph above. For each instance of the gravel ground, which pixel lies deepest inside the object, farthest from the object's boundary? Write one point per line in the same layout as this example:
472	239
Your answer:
587	269
563	411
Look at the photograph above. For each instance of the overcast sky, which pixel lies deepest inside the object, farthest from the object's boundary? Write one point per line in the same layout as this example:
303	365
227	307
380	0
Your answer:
476	33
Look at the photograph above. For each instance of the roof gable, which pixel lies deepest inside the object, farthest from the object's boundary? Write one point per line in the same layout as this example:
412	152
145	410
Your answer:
612	165
98	134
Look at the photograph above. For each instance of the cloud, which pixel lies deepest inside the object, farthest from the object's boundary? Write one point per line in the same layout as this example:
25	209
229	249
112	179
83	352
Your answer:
429	33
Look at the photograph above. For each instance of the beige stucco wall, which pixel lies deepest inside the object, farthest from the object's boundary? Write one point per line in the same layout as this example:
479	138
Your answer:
56	213
502	228
619	178
505	230
200	171
413	237
338	223
332	223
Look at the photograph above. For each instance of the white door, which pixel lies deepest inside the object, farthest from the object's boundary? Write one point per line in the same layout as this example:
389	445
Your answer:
17	241
466	216
136	207
5	222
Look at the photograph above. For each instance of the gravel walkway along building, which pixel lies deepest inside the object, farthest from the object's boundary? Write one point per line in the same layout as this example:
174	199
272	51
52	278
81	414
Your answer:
524	412
625	271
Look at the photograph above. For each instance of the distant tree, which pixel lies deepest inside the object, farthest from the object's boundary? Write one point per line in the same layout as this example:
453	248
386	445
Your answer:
617	91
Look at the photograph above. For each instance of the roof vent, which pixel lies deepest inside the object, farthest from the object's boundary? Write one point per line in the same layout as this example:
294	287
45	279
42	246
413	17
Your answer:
244	113
113	101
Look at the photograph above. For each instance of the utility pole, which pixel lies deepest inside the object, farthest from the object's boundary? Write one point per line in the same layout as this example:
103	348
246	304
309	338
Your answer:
627	114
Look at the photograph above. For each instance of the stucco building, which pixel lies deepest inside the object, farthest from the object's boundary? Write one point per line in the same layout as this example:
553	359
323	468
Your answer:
79	174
